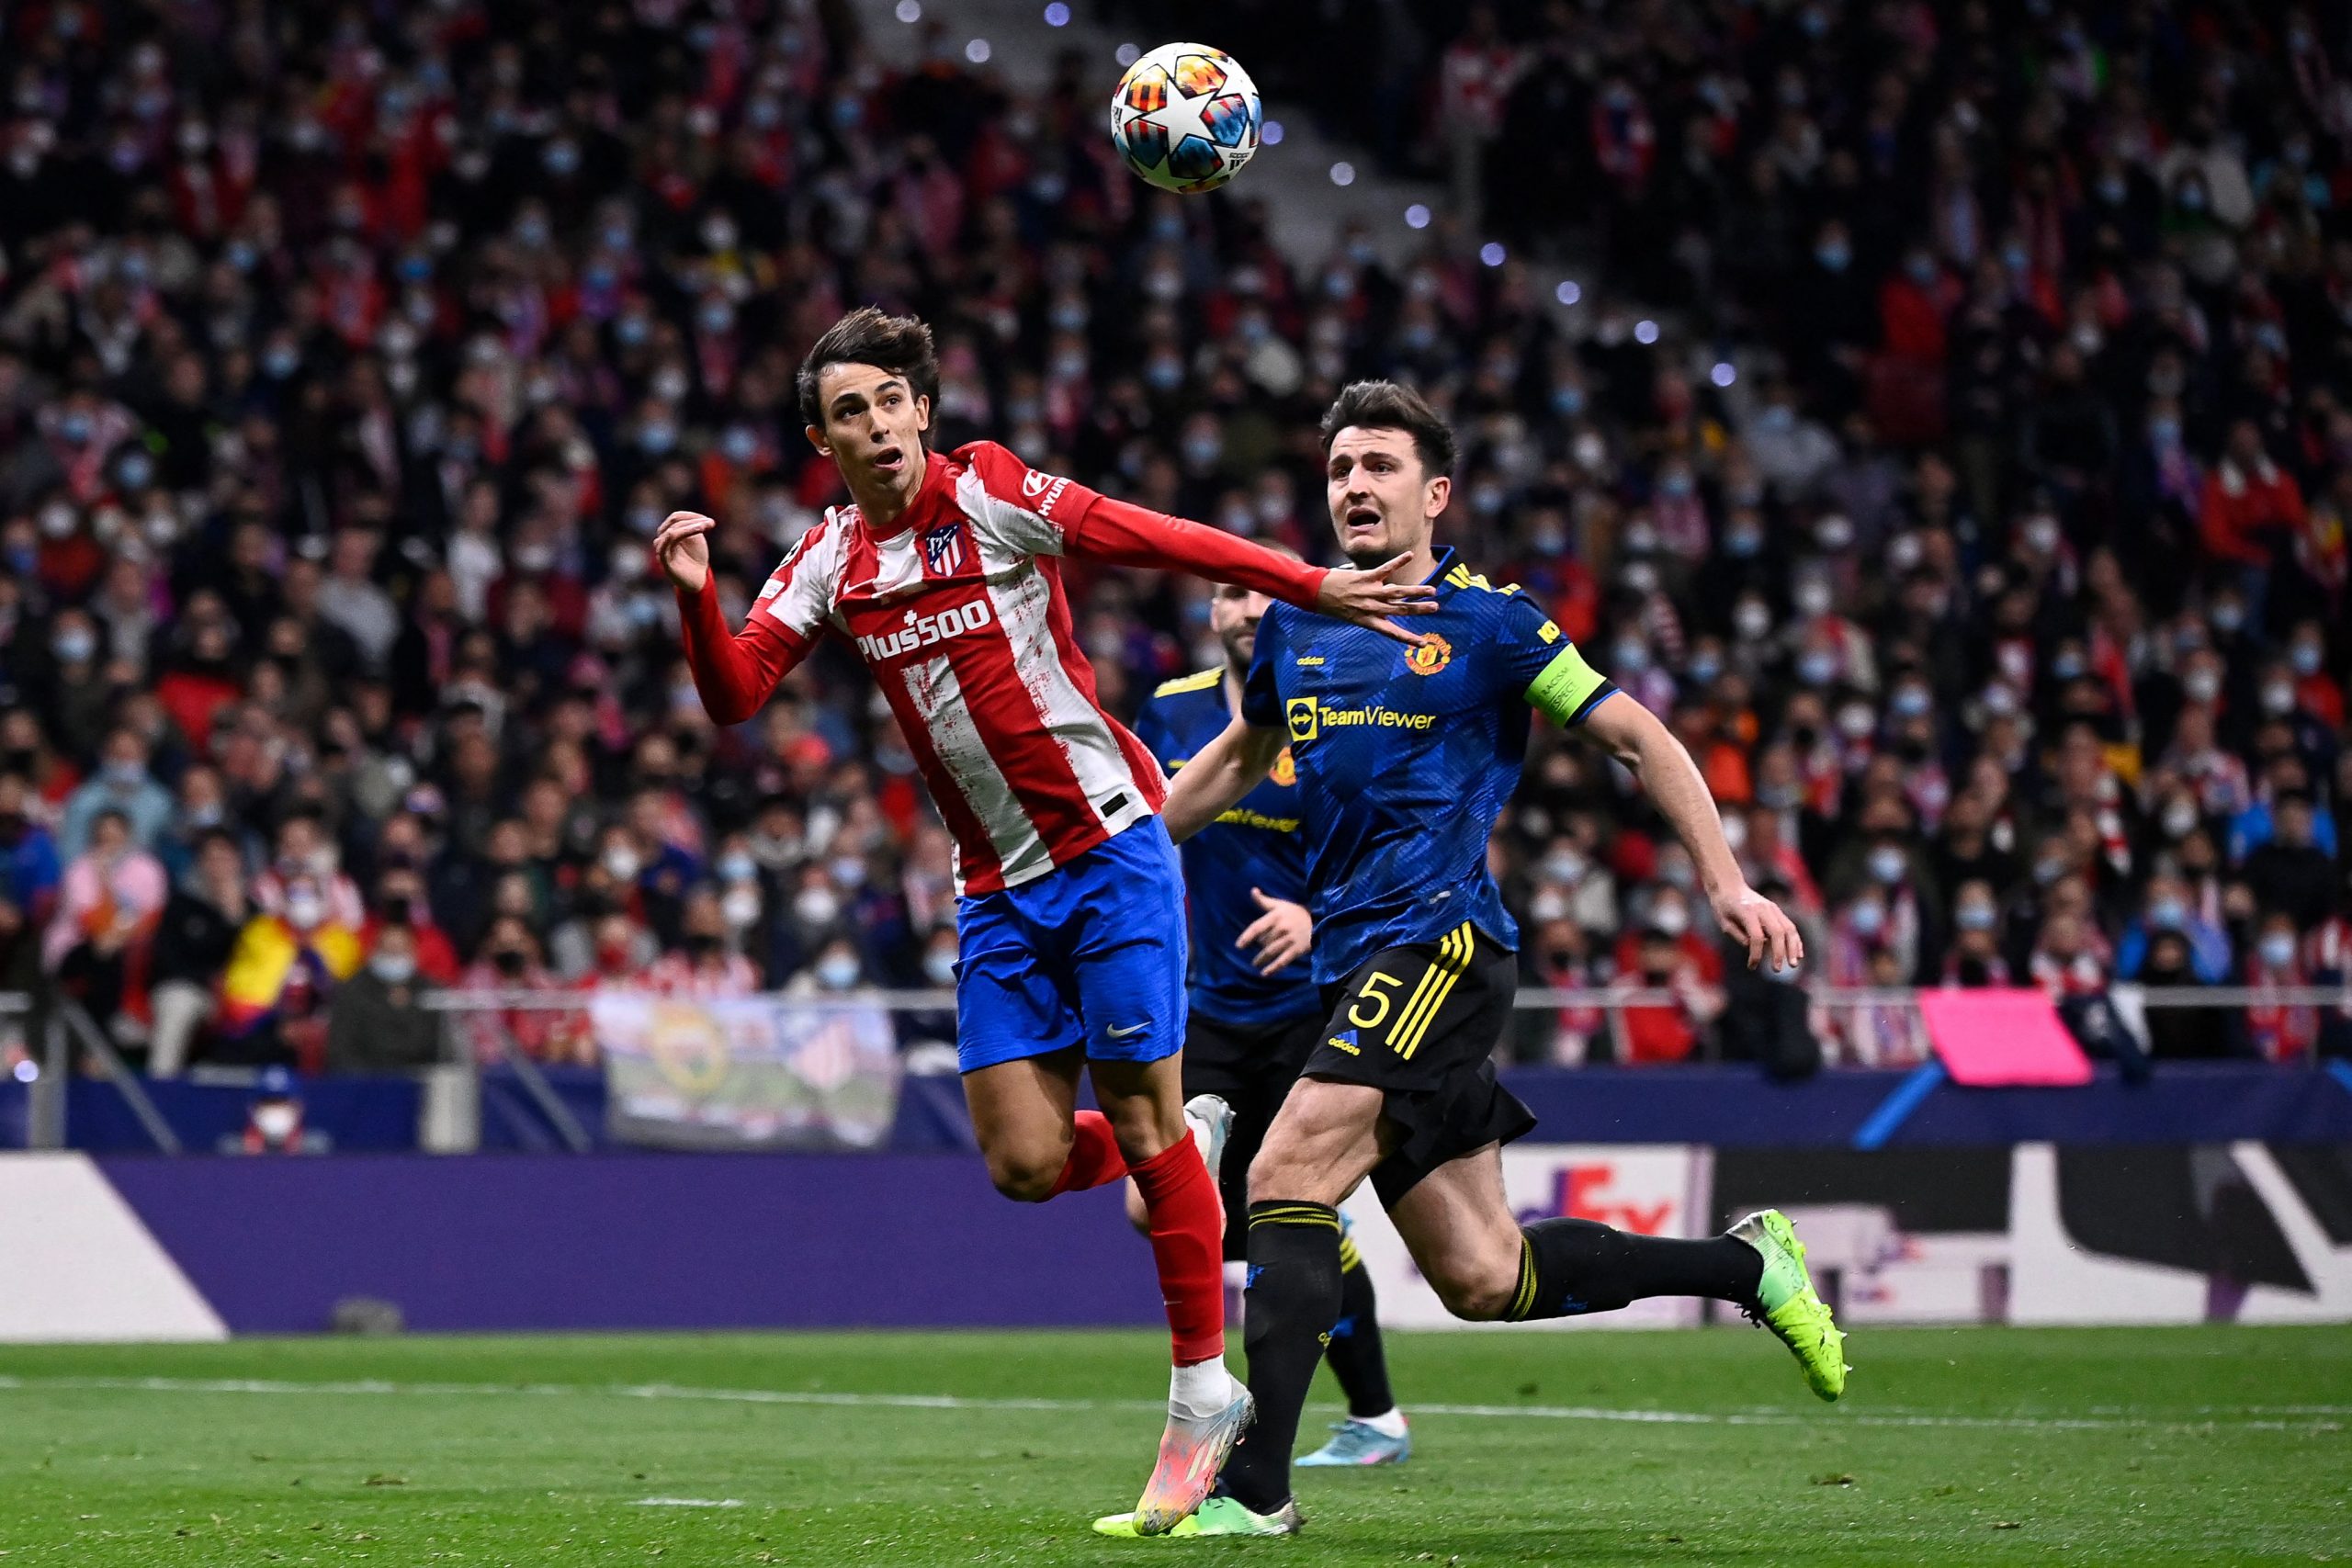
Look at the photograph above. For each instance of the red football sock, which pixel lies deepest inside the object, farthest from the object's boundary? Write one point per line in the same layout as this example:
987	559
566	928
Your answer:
1094	1157
1188	1242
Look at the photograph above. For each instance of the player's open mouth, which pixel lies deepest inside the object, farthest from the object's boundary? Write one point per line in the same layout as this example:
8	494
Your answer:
890	460
1362	517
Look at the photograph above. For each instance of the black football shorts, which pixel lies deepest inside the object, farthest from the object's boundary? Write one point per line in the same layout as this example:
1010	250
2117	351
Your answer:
1420	1024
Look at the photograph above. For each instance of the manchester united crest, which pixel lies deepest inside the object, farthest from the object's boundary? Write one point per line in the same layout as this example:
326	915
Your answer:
1285	771
1430	657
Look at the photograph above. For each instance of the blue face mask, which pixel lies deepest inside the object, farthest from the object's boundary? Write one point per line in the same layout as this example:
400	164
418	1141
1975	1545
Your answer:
1835	257
1567	401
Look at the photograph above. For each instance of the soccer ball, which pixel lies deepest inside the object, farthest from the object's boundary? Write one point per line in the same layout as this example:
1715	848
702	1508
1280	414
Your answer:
1185	117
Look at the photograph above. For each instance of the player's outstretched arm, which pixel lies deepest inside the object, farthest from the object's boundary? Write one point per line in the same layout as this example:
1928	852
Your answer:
1220	774
1126	534
1635	738
735	673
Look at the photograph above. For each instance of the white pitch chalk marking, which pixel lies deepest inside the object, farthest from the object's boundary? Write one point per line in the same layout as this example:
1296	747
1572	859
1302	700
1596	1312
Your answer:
2211	1418
687	1502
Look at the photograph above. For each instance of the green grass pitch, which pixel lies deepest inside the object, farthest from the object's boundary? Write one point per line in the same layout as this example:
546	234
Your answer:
1973	1446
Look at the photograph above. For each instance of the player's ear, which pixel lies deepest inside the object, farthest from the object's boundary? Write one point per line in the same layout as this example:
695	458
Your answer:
1433	500
815	434
922	412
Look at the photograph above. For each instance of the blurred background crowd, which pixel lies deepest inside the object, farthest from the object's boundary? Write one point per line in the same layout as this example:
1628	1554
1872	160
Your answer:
1951	434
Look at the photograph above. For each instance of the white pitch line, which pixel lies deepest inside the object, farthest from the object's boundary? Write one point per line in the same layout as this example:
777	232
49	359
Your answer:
2210	1419
687	1502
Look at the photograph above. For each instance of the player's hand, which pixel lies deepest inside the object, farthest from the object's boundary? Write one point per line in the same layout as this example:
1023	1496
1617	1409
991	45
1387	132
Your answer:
1369	597
1756	923
1281	936
680	547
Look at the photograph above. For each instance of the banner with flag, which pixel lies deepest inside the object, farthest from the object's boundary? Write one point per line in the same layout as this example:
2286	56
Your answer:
747	1073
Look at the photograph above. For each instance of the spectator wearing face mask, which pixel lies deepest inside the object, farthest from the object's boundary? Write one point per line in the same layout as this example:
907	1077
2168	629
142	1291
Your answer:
281	976
379	1023
508	962
1975	958
400	901
122	786
2278	1031
837	970
306	853
708	966
1667	918
76	692
2168	907
816	912
1569	885
1560	958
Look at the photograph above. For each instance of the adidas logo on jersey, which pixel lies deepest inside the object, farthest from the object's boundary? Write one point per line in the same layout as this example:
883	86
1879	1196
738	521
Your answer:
922	631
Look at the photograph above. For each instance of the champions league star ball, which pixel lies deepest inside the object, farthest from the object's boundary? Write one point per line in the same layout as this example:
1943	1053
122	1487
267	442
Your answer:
1185	117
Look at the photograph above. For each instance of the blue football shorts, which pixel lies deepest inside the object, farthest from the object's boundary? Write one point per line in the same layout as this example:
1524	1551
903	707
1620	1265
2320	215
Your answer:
1092	953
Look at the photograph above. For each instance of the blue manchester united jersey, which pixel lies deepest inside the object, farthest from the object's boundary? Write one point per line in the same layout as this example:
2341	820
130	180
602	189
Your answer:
1404	757
1255	844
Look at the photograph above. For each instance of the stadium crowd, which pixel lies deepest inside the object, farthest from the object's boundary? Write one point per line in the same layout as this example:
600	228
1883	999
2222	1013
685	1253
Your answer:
1954	436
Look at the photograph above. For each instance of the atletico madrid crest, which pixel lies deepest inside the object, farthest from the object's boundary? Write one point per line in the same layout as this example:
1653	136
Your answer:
943	549
1429	657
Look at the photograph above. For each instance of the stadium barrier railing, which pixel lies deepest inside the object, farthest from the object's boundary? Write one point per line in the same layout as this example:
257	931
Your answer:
476	1039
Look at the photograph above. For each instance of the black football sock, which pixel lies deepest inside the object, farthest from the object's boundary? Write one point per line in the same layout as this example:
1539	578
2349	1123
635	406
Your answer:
1568	1267
1354	1352
1292	1300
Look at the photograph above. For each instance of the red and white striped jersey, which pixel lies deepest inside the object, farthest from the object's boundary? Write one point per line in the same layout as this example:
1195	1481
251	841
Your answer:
959	613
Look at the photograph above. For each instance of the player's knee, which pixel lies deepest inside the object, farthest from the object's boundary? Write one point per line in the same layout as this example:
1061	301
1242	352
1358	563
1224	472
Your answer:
1027	1176
1476	1293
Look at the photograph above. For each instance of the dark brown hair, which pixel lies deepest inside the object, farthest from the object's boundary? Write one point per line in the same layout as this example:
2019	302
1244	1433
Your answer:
1384	405
900	344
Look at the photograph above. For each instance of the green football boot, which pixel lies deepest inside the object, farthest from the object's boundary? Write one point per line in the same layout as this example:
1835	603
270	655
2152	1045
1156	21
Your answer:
1217	1515
1787	1305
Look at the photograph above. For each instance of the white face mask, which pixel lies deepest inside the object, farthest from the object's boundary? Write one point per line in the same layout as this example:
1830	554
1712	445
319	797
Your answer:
393	968
740	905
305	910
816	906
837	972
277	1121
622	864
939	966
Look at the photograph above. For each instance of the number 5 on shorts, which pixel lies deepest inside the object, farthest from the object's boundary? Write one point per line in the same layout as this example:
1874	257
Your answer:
1374	998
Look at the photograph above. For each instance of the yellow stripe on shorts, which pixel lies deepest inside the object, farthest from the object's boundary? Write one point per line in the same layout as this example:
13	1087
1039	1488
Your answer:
1453	951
